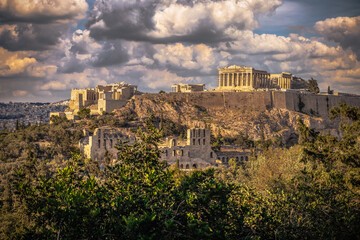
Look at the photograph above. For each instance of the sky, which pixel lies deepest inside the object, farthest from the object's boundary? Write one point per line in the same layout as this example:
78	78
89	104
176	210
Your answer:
48	47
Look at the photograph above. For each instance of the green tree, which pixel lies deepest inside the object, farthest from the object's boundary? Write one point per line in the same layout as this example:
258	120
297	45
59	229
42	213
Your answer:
84	113
312	86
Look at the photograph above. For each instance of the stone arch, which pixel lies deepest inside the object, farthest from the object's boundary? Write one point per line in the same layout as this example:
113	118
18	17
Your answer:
194	165
237	159
194	142
187	166
246	158
242	158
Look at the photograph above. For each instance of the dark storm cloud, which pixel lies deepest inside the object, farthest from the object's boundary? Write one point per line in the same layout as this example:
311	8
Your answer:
31	36
71	66
112	53
123	20
169	22
37	25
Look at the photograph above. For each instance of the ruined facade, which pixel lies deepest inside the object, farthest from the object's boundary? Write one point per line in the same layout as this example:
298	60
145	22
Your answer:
102	98
196	152
187	87
241	78
229	152
102	141
282	80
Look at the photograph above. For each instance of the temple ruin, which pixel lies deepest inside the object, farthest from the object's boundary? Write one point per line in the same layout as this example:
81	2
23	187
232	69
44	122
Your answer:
241	78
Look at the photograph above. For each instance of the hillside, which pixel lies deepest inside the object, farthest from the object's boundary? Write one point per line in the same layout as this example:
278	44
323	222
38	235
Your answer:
229	121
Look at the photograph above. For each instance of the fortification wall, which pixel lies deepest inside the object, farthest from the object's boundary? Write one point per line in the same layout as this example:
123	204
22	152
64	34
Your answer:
294	101
312	104
218	100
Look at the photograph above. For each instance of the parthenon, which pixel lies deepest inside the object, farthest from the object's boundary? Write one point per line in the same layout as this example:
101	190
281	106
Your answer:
241	78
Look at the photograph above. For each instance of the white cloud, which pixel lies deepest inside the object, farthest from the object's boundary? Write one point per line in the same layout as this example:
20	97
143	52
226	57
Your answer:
39	11
343	30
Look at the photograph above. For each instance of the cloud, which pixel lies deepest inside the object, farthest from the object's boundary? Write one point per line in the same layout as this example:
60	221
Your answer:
14	63
112	53
27	36
157	79
19	93
42	12
37	25
342	30
167	21
199	57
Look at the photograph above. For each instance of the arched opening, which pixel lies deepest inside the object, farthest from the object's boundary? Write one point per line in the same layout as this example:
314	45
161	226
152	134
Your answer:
193	141
194	166
174	153
237	159
211	155
204	132
242	158
181	166
199	141
223	159
204	141
246	158
187	166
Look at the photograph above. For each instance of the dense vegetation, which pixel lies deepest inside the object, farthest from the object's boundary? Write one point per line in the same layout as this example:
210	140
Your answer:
309	191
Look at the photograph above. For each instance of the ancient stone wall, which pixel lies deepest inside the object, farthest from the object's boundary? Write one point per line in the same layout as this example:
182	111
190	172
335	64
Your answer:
317	105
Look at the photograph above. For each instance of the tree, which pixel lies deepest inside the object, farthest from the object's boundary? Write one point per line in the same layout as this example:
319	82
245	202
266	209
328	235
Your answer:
84	113
137	197
312	86
329	188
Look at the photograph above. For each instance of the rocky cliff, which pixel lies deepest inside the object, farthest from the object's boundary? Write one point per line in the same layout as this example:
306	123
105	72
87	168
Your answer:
228	120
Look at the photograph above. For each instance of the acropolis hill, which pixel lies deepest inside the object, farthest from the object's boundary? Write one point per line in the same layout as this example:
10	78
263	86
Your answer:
246	100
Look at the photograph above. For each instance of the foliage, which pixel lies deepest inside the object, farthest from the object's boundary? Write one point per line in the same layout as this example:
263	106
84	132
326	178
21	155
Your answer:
84	113
309	191
312	86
